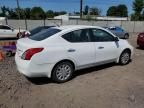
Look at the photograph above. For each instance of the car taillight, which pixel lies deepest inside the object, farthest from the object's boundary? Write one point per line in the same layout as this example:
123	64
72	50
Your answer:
27	55
141	35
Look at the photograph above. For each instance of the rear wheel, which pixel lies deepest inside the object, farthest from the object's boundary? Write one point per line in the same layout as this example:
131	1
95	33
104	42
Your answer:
125	57
62	72
140	46
126	36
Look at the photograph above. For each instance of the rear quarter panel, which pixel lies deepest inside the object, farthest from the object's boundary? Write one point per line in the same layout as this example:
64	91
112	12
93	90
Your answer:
51	54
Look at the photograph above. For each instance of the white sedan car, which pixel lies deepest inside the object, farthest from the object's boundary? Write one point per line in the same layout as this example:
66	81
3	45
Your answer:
59	51
8	32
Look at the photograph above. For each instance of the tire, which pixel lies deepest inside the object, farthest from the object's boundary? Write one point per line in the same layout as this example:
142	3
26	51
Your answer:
8	54
140	46
125	57
126	36
60	74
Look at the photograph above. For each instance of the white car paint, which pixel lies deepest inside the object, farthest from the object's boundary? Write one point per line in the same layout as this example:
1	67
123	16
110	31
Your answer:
56	49
8	32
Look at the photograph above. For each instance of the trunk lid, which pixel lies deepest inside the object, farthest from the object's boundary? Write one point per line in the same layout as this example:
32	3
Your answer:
25	44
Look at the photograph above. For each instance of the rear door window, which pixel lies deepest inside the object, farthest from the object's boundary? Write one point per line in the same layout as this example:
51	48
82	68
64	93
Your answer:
44	34
76	36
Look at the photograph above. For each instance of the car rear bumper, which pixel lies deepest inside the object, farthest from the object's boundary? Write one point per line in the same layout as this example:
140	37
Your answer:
30	69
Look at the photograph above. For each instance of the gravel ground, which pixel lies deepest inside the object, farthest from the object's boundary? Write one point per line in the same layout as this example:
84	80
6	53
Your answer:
107	86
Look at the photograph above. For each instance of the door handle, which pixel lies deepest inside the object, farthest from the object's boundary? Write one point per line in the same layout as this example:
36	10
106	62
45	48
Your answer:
71	50
100	47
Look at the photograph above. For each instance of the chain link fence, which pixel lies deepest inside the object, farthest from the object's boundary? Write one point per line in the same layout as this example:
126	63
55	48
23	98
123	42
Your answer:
129	26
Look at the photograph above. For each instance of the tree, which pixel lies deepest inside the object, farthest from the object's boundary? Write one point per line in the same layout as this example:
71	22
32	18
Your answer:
62	12
27	12
119	11
143	15
12	14
138	6
50	14
95	11
21	12
37	13
59	13
56	13
77	13
4	11
122	10
112	11
24	13
135	17
86	10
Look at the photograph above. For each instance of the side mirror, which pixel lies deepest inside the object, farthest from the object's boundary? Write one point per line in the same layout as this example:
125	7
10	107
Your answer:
116	39
12	29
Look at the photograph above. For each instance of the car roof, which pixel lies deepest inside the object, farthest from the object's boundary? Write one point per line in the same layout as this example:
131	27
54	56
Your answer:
70	27
46	26
114	27
4	24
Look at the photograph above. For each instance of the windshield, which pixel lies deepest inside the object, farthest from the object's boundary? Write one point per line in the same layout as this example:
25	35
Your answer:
44	34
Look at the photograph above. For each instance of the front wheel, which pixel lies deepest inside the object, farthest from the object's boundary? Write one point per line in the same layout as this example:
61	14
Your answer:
62	72
125	57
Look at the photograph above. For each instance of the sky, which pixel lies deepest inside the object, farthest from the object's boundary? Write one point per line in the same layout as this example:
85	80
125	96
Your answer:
67	5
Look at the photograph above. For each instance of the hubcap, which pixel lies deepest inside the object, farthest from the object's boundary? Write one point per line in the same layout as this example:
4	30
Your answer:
63	72
125	58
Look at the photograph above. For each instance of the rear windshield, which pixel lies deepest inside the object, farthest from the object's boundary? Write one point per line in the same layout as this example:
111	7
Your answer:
44	34
36	30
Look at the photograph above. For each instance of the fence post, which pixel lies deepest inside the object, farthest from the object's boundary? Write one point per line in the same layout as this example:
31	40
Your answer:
44	22
61	21
143	25
6	21
92	23
121	23
26	23
77	22
107	22
134	27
